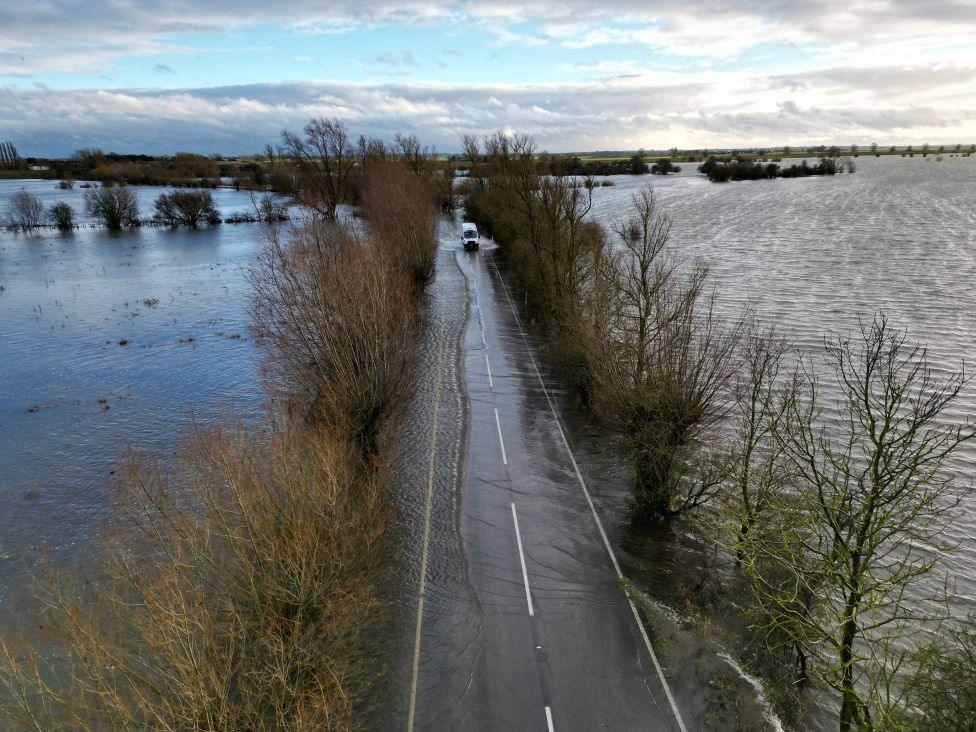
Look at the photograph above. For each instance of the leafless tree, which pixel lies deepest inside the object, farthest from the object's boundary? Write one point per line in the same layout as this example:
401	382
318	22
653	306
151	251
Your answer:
418	158
402	220
471	148
241	605
337	321
761	391
325	159
864	521
25	211
664	367
371	151
114	206
186	208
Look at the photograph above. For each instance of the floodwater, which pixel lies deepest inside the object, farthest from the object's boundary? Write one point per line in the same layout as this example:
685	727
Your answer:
73	398
812	255
809	254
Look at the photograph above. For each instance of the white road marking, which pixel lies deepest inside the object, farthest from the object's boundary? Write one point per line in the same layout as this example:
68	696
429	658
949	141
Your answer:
501	442
491	384
426	549
525	574
549	720
589	501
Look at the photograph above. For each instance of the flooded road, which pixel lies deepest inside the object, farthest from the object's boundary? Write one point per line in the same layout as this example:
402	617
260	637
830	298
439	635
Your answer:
811	254
529	626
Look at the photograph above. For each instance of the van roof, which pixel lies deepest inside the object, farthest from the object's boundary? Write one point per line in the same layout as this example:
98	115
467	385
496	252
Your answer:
468	225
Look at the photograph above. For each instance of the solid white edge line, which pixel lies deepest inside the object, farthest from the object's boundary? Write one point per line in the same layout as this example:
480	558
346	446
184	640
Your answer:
501	442
525	574
426	549
589	501
491	384
549	720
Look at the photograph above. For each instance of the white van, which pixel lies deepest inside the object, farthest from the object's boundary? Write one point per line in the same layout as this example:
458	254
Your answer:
469	236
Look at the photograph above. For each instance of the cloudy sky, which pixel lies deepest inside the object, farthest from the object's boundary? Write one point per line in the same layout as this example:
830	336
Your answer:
228	75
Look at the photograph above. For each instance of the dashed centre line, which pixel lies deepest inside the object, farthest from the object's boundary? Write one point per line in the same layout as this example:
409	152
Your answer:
549	720
592	507
525	574
501	441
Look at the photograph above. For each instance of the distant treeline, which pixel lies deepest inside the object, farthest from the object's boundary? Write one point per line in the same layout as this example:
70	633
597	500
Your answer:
720	172
549	164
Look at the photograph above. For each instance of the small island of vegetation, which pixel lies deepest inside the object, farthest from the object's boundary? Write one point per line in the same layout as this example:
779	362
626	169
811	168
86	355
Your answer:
736	169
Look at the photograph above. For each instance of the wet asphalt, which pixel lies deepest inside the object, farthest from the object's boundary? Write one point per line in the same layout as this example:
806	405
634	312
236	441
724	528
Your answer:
520	620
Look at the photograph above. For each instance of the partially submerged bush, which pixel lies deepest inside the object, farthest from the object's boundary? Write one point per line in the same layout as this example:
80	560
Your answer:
25	211
115	206
239	608
62	216
187	208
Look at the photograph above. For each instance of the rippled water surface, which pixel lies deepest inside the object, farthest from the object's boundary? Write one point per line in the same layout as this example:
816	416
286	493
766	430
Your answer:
810	254
814	254
72	398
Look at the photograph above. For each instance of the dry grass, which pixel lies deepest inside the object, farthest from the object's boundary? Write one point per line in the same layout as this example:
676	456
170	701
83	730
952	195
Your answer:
239	608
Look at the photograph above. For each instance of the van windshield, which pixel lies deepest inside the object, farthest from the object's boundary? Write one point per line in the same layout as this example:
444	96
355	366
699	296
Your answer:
470	234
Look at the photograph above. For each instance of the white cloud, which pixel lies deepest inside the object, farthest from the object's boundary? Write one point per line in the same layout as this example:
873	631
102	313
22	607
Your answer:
64	36
652	110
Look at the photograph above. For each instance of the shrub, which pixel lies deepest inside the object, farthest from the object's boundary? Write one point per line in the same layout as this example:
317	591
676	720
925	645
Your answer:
240	607
337	321
186	208
62	216
664	166
114	206
402	220
25	211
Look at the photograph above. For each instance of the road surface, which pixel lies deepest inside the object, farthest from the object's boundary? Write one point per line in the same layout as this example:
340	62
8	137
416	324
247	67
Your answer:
531	629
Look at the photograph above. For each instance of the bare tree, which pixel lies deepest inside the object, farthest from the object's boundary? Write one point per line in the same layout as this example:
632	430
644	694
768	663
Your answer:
470	148
325	160
663	366
337	321
942	690
25	211
864	521
186	208
418	158
241	606
402	220
761	394
114	206
371	151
